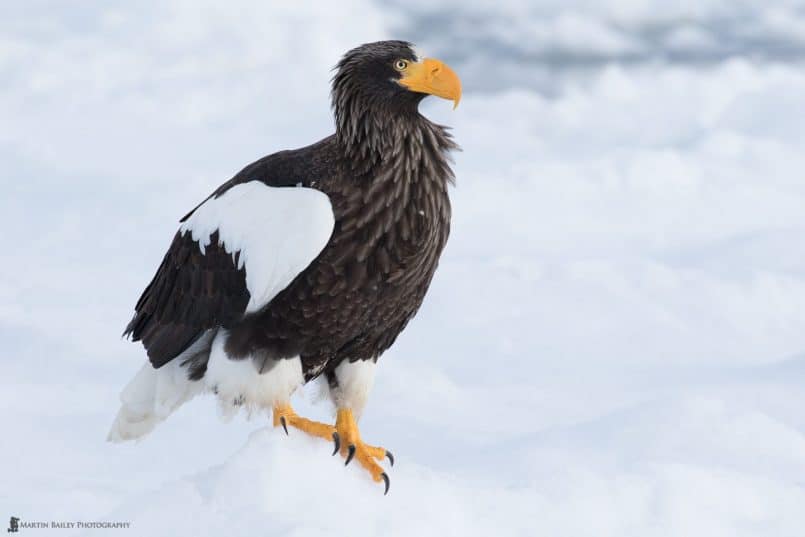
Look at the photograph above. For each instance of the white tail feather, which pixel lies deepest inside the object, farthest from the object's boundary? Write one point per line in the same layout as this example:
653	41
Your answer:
150	397
153	394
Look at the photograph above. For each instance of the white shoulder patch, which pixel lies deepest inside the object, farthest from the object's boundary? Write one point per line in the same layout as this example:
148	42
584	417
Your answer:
278	231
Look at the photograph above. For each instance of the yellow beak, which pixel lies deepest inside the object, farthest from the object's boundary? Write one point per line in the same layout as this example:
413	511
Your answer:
434	78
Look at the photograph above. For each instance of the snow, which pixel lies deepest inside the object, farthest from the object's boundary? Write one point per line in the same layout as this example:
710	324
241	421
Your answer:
613	343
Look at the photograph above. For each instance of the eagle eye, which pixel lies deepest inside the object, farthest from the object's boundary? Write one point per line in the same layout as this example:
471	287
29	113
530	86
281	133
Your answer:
401	65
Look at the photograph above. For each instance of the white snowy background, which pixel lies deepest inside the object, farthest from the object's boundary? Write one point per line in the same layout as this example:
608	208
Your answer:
614	344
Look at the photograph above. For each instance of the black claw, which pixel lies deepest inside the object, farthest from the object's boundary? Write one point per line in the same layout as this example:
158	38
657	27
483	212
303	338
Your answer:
387	481
390	457
350	454
282	421
337	440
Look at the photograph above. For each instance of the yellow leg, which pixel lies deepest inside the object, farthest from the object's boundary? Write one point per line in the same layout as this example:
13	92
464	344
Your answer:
284	415
353	447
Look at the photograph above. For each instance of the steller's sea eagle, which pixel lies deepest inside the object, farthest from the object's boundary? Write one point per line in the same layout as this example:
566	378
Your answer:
308	262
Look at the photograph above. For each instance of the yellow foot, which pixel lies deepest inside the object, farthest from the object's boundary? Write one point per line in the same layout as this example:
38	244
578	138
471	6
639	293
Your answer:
284	415
348	439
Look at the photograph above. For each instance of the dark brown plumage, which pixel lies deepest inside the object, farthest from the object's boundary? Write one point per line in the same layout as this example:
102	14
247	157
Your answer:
386	173
307	262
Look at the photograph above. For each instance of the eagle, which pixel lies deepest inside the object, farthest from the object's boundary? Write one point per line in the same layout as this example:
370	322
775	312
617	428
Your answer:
308	262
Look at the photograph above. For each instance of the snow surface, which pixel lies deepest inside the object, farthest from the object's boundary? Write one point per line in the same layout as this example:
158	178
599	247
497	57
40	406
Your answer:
614	343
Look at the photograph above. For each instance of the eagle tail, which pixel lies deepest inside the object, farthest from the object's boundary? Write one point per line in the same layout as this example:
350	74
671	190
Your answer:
150	397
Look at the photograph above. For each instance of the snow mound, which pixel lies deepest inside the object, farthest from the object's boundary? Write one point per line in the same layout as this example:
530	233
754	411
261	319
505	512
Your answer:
278	485
702	464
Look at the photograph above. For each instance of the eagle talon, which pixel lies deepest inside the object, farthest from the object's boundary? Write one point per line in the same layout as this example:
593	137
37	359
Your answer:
353	447
284	426
337	441
387	481
350	454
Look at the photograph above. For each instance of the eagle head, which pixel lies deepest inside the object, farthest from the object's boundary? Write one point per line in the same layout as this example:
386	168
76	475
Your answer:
388	75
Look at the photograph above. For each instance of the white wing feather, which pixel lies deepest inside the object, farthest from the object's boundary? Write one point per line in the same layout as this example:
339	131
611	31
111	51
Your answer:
278	232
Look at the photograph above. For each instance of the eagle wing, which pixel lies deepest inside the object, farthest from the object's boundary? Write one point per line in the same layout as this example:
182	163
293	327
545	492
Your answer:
229	258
